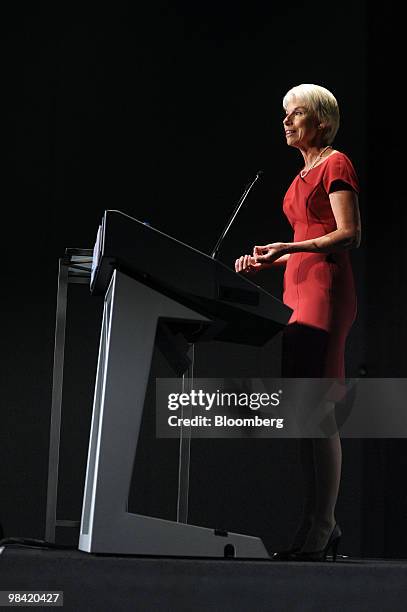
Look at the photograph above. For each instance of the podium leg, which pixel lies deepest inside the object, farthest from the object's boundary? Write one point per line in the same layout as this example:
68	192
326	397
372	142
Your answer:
185	444
56	406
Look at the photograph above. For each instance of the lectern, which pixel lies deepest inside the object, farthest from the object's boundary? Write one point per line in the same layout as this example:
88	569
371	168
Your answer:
148	277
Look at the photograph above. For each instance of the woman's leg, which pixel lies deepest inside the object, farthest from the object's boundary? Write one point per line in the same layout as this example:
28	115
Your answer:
327	457
307	354
327	463
306	460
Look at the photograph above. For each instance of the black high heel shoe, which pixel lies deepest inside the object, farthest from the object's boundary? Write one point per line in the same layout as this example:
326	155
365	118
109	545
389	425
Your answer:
287	555
320	555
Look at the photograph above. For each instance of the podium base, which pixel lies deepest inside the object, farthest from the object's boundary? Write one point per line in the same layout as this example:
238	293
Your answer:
134	534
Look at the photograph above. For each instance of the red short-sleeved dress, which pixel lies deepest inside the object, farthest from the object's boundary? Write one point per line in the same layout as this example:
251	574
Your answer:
319	287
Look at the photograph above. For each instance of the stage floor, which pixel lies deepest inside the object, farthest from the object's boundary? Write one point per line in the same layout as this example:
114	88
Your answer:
149	584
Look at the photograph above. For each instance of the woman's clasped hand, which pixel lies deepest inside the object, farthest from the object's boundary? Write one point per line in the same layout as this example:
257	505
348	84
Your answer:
262	258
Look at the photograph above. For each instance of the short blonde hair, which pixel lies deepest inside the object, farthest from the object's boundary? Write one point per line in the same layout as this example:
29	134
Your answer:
321	102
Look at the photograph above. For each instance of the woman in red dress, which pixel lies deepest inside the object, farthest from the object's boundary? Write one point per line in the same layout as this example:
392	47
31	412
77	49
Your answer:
321	205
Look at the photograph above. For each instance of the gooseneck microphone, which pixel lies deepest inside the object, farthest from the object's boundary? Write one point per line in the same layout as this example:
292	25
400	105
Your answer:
232	218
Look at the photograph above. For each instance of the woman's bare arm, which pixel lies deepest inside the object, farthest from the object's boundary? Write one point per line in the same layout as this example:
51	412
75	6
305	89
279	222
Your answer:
345	208
281	261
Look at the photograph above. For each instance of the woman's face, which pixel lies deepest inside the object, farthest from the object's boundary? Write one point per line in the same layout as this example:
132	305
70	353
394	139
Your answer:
300	126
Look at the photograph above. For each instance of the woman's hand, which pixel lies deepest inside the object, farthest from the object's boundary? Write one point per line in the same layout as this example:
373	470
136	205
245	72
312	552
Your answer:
269	253
247	265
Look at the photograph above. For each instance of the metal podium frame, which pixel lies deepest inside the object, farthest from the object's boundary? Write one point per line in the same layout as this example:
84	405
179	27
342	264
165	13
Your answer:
131	313
74	267
185	444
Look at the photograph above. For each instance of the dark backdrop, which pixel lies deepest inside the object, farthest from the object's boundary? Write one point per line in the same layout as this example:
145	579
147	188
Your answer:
165	111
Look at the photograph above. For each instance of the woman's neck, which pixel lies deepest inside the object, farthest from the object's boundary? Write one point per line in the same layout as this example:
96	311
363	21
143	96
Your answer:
313	154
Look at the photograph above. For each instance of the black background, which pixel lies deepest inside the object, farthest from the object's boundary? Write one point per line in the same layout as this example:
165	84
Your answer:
165	111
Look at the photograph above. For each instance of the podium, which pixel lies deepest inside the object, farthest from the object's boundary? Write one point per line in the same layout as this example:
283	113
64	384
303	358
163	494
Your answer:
148	277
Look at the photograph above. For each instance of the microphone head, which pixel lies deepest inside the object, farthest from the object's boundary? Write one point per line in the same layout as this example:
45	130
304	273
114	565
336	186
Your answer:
259	173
